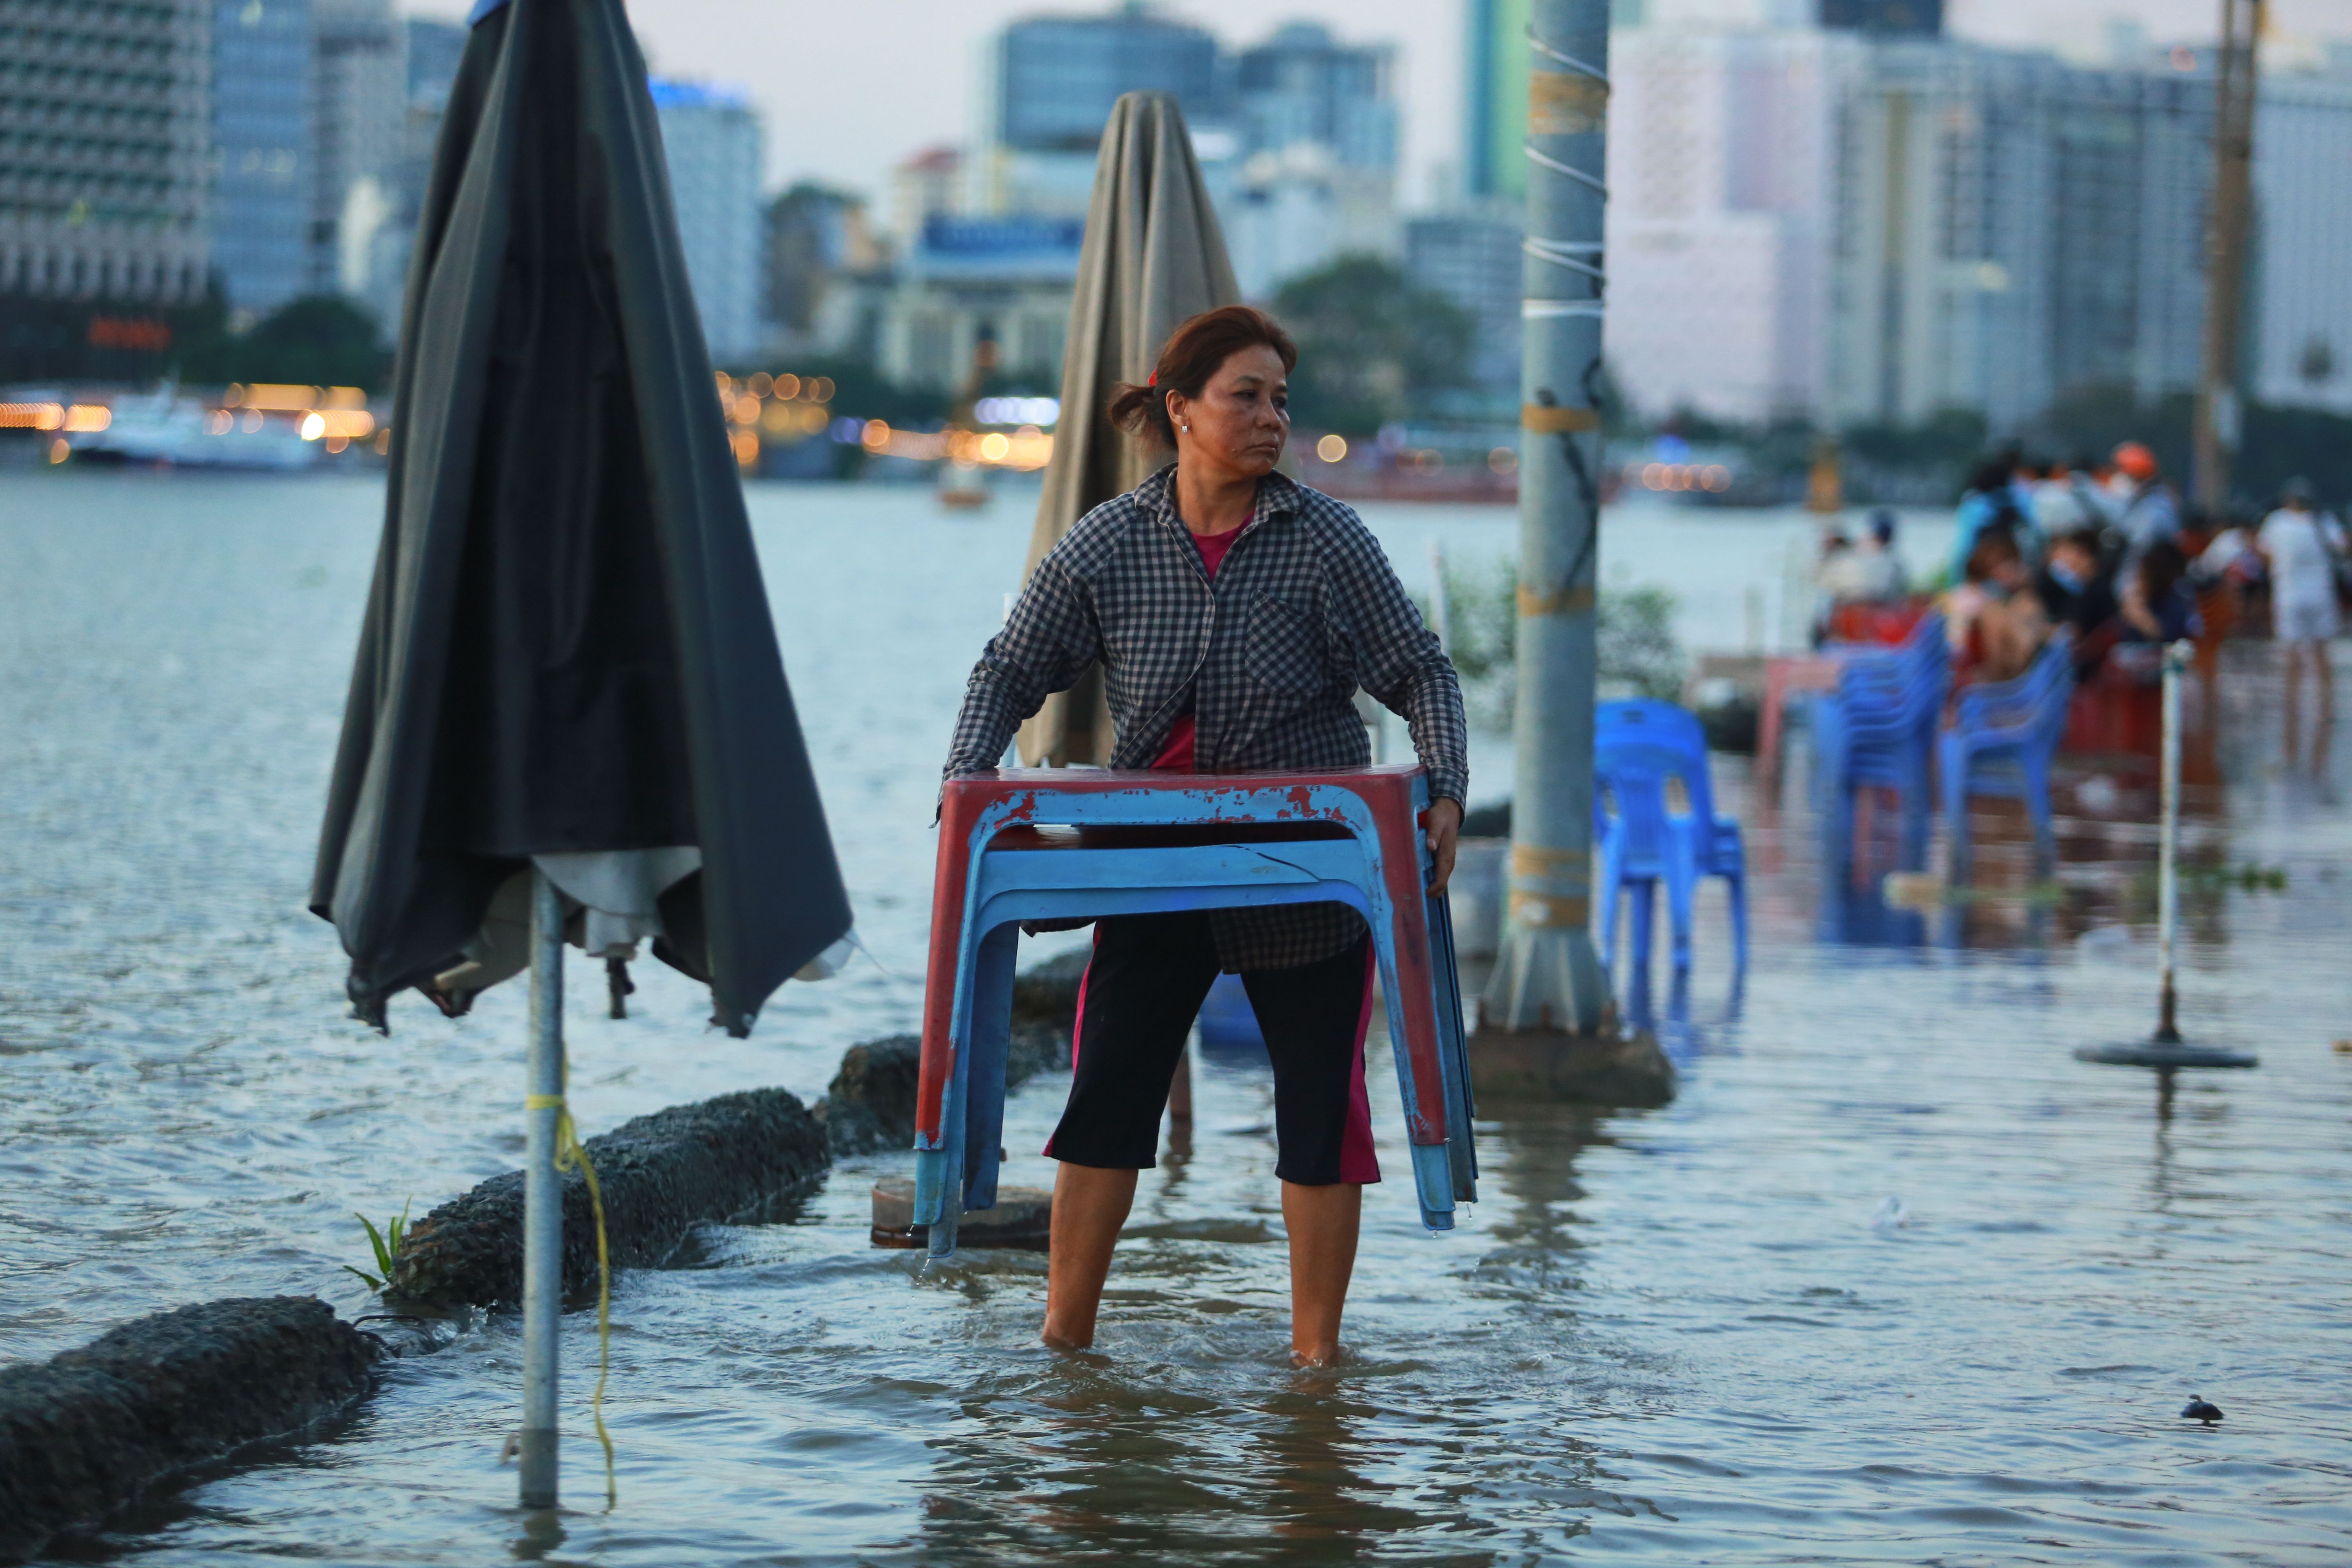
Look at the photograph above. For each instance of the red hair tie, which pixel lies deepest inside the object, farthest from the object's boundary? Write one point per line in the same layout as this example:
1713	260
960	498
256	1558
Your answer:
1152	380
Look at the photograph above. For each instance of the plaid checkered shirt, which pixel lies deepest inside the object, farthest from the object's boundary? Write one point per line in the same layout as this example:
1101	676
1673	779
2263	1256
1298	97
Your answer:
1304	608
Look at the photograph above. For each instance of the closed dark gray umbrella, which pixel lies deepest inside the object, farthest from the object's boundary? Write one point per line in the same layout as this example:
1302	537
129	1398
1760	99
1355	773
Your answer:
567	648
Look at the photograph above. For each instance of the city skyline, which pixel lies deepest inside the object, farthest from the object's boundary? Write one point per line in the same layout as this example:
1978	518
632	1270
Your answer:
828	124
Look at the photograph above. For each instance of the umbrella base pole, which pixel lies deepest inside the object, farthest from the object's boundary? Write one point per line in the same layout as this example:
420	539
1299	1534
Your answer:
538	1454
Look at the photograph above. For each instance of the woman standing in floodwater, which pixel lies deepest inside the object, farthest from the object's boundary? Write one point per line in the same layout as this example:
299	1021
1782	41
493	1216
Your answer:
1235	614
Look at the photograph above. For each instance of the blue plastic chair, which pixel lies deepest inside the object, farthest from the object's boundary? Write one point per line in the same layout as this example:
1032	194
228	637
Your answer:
1879	728
1140	842
1638	745
2002	743
1228	1023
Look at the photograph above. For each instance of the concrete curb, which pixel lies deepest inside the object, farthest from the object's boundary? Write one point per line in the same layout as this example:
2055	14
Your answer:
91	1429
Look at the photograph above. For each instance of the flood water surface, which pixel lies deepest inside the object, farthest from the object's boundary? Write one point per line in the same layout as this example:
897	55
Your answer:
1893	1278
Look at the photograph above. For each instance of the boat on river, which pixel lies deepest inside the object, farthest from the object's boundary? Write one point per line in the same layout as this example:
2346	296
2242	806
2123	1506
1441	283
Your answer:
166	428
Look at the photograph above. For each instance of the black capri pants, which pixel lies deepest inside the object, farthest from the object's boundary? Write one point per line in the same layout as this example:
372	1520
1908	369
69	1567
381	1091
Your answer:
1144	986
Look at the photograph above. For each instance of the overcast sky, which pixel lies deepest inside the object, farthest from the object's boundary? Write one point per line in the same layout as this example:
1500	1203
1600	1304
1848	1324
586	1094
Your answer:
850	89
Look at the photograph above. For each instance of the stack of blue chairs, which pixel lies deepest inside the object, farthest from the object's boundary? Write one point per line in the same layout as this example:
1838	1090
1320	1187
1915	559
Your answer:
2000	743
1879	728
1638	745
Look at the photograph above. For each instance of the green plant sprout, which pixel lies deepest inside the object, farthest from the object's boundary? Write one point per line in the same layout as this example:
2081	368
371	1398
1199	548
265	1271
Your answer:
386	1243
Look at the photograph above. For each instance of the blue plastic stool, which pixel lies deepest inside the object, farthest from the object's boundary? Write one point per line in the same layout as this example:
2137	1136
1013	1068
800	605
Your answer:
1153	842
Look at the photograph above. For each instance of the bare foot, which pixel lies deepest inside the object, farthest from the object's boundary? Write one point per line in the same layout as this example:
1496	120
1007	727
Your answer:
1321	1356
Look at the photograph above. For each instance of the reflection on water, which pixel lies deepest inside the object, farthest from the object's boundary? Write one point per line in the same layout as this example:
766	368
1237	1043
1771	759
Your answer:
1676	1333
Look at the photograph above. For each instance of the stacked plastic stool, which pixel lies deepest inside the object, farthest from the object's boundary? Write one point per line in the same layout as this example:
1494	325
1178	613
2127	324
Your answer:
1043	844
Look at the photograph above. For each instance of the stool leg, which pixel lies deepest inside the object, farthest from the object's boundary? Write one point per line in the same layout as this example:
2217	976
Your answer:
949	1164
990	1035
1681	889
1737	882
1640	893
1461	1105
1432	1169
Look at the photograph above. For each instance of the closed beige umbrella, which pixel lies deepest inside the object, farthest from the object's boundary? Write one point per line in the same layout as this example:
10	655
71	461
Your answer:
1153	256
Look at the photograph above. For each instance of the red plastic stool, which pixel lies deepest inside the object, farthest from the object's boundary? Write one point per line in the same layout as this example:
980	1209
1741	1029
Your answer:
1148	842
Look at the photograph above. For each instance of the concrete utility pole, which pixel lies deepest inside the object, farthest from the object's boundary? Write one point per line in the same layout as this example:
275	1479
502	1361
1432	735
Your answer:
1548	976
2228	217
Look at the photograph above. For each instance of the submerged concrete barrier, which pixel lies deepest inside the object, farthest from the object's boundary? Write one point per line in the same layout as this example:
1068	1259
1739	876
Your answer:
716	1159
90	1430
870	1105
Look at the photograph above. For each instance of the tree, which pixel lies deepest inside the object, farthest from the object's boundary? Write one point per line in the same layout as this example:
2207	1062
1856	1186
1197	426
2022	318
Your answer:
1947	438
1367	342
320	340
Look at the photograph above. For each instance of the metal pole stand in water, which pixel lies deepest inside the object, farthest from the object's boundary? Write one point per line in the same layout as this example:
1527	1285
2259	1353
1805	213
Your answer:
1545	1023
542	1223
1548	976
2165	1049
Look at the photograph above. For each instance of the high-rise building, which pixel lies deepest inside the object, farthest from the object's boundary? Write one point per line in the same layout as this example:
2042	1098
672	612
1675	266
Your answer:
1474	257
2299	337
712	137
1316	178
430	54
1721	144
1884	17
825	271
1495	61
2010	229
433	53
1303	87
1051	86
1297	136
103	130
361	112
264	187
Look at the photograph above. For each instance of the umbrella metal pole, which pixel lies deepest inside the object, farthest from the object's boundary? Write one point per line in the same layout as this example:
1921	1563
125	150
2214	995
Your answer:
2165	1050
542	1224
2168	852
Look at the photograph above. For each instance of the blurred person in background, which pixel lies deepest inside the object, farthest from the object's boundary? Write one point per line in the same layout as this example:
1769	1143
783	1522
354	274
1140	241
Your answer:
1869	571
2305	553
2100	486
1996	622
2076	590
1829	568
2160	602
1995	500
2146	508
2061	502
2231	562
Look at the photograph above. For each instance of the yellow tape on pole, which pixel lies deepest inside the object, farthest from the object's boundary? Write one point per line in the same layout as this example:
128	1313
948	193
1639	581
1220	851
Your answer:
1547	420
571	1153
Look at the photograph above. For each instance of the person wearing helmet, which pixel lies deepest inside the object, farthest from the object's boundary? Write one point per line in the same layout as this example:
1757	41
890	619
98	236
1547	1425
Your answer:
2149	512
2305	549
